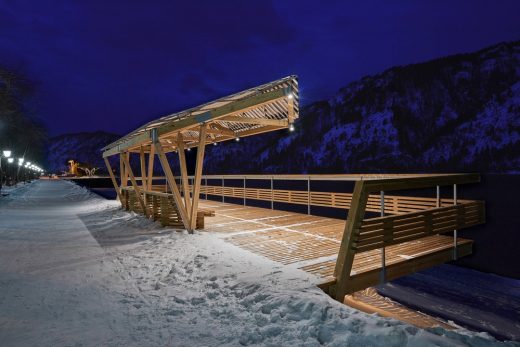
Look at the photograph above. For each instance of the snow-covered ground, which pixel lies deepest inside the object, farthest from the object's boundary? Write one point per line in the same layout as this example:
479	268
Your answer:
77	270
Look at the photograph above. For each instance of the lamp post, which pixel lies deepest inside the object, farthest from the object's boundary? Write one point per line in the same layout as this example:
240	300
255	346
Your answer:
5	153
20	163
9	179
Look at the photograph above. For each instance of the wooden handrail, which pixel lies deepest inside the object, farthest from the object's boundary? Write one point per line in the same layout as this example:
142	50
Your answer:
386	231
448	178
394	204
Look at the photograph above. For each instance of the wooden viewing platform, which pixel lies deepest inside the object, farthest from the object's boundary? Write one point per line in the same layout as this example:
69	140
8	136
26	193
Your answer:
388	227
408	236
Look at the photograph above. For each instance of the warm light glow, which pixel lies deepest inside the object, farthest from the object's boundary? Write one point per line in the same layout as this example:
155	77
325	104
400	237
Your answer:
189	149
7	153
214	143
237	139
10	160
291	127
290	96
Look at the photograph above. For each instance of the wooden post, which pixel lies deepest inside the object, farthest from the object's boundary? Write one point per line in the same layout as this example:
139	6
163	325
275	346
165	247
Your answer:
197	176
122	172
142	159
309	195
149	178
272	194
170	179
455	231
352	226
137	190
113	179
383	250
184	172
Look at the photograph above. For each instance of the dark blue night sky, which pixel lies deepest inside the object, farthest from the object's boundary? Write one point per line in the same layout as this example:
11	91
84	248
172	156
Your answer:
113	65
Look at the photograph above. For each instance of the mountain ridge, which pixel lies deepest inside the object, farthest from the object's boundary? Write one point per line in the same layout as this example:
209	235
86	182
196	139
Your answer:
457	113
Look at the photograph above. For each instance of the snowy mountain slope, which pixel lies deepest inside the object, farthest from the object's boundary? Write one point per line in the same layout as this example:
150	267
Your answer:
458	113
84	148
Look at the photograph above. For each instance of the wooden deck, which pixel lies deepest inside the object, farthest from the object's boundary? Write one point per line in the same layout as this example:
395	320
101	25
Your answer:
313	243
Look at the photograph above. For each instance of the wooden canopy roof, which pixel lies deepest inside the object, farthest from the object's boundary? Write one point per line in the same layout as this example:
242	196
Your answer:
268	107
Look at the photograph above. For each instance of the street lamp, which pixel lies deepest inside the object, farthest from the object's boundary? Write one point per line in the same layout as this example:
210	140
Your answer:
10	160
6	153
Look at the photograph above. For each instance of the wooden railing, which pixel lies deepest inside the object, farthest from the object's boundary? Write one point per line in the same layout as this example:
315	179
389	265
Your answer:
394	204
385	231
367	234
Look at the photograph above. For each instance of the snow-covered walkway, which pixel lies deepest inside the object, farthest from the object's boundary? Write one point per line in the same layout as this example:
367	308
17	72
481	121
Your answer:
77	270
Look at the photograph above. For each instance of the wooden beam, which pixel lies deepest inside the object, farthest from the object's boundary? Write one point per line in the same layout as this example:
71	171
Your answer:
197	176
122	172
142	159
258	121
290	108
113	179
424	181
220	130
345	259
235	107
184	172
173	186
151	158
137	190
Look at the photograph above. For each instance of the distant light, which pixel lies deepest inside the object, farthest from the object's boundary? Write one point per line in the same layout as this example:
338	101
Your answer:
20	160
28	163
188	149
291	127
214	143
7	153
10	160
237	139
290	96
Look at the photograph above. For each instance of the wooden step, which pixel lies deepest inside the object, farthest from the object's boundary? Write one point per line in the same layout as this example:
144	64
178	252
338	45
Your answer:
369	301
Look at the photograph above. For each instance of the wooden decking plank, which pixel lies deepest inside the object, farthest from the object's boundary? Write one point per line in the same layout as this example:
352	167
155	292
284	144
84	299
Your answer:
288	238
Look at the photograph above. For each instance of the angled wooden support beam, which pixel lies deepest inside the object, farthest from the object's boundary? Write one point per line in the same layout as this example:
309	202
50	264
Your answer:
142	159
184	172
345	259
122	173
290	108
220	130
137	190
198	174
173	186
259	121
113	179
151	158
